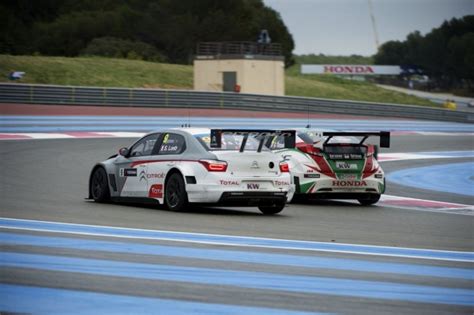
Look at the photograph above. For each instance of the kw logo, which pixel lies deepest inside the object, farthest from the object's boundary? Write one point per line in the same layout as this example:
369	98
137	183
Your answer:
253	186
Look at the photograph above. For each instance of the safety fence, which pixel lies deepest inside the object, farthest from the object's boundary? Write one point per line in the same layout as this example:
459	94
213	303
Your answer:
126	97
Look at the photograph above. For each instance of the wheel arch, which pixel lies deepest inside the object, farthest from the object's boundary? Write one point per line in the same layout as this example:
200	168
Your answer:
97	166
187	170
171	172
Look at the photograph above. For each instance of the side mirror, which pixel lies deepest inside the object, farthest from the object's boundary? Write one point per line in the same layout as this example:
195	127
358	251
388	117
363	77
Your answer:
124	152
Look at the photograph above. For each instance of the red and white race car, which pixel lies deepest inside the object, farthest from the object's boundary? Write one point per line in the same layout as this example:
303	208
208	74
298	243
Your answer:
334	165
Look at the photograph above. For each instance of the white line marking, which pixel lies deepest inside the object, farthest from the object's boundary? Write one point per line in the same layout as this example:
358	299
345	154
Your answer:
230	242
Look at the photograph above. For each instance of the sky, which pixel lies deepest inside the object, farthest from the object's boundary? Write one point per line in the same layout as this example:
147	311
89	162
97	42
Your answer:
344	27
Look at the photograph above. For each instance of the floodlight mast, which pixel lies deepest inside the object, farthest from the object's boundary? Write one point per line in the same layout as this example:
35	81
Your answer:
374	26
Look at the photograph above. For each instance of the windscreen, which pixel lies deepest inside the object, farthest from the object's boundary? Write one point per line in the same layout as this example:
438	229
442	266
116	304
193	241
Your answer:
230	142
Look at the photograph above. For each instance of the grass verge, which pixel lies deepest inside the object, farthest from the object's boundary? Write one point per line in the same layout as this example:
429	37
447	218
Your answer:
110	72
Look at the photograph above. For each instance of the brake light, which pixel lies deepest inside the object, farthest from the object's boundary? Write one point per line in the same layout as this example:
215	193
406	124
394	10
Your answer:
214	165
284	168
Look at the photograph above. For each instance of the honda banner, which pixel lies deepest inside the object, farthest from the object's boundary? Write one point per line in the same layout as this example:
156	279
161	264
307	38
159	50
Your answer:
351	69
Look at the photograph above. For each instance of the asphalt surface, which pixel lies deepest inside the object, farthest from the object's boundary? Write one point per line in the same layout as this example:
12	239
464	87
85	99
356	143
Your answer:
47	180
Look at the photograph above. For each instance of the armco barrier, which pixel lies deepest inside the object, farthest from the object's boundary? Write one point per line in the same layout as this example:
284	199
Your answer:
97	96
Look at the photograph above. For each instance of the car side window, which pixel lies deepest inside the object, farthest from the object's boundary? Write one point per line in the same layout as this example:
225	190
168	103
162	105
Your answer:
172	144
144	146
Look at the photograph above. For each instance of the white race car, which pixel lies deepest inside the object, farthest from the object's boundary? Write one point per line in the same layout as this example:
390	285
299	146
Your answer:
334	165
180	166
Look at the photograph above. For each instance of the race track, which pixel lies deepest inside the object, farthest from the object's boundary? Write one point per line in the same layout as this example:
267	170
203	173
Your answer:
166	262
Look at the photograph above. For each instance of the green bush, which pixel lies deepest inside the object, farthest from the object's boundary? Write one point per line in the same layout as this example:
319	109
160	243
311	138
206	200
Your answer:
122	48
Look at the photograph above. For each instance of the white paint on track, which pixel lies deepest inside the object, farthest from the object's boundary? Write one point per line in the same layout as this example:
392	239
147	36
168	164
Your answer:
426	205
231	240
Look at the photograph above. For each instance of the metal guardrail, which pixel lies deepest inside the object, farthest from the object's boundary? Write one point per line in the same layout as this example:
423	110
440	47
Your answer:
97	96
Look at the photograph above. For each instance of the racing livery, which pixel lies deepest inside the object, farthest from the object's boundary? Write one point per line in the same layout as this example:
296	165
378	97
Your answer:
180	166
334	165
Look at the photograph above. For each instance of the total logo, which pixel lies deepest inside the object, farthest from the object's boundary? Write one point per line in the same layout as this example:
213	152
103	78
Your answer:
348	183
229	182
156	191
349	177
281	183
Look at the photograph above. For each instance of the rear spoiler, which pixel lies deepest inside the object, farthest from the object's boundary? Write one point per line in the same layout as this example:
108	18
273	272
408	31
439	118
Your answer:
260	134
384	136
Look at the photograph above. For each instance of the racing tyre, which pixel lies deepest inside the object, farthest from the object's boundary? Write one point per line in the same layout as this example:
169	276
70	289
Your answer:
369	200
99	186
274	209
176	198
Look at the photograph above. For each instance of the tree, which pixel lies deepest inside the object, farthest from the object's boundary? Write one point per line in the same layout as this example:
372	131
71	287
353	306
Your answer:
461	57
391	53
122	48
446	53
67	27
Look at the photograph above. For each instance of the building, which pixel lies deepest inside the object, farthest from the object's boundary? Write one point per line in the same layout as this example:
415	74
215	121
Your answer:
245	67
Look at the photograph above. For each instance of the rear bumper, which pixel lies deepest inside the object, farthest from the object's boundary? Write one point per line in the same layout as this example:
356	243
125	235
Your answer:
342	195
331	186
238	198
202	193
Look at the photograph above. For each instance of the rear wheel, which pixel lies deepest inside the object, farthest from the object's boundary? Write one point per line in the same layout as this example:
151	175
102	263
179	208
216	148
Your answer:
99	186
369	200
273	209
176	198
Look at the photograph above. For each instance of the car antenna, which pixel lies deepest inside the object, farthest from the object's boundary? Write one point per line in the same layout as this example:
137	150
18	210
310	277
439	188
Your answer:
189	118
187	125
308	125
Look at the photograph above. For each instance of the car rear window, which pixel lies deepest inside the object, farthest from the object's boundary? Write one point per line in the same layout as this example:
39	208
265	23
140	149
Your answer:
345	149
229	143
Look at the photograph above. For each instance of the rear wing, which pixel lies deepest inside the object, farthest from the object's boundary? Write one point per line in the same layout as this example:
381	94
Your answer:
384	136
259	134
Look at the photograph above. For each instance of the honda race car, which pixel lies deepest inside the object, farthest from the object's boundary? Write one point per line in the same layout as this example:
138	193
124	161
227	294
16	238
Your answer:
334	165
180	166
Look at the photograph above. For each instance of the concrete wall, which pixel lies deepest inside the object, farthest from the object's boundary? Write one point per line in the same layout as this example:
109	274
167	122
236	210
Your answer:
253	76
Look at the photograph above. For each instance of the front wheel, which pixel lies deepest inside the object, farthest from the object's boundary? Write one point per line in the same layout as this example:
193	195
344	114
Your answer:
176	198
369	200
273	209
99	186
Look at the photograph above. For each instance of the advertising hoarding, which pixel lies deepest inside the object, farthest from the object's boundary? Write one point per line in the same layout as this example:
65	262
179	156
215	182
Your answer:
351	69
